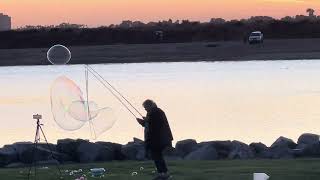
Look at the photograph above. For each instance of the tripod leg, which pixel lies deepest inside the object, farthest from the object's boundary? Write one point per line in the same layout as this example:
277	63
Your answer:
35	159
33	163
51	151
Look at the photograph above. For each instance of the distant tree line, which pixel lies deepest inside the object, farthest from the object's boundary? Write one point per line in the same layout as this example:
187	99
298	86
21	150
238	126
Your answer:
217	29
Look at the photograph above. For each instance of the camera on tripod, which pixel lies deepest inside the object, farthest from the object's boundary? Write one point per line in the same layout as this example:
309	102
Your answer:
39	132
37	116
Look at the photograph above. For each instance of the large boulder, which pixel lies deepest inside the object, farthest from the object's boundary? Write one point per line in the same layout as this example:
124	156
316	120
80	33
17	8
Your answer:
240	151
309	150
69	147
282	148
25	152
137	140
308	146
20	147
258	148
170	153
307	138
206	152
114	148
278	153
186	146
37	154
284	142
223	148
88	152
8	155
134	150
312	149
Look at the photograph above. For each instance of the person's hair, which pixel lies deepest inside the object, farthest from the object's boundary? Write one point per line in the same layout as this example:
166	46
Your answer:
149	103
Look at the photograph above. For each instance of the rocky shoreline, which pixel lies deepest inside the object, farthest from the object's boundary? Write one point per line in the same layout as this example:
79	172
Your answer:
82	151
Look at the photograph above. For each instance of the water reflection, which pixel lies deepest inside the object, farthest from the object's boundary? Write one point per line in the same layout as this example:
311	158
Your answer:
247	101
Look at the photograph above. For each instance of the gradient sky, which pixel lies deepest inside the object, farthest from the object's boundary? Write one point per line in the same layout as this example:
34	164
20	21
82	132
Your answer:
105	12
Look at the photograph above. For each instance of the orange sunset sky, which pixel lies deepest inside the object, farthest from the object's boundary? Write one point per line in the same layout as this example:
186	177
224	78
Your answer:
105	12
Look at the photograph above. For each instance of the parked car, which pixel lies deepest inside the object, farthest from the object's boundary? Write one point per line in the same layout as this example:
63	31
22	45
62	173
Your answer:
256	37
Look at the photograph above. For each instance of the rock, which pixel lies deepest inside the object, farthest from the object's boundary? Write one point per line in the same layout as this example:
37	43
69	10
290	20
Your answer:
223	148
137	140
186	146
258	148
69	147
308	138
49	146
282	148
20	147
134	151
207	152
40	154
278	152
32	155
23	152
115	148
88	152
8	155
308	150
170	153
284	142
141	155
240	151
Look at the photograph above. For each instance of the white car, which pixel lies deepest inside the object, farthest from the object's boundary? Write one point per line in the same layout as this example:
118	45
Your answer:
255	37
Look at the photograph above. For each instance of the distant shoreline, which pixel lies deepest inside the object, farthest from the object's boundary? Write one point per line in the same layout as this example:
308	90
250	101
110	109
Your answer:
285	49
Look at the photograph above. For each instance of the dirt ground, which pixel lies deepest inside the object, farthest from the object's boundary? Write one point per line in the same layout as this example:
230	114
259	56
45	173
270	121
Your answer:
199	51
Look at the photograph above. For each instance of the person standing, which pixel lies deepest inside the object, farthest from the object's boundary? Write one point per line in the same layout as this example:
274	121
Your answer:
157	135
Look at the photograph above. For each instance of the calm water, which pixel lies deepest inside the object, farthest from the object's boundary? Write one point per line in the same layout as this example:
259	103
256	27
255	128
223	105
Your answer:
247	101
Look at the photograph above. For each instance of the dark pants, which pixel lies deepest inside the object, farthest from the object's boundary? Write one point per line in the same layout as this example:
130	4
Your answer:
159	161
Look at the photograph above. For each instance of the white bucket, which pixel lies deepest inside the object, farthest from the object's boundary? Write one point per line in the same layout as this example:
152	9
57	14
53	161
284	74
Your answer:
260	176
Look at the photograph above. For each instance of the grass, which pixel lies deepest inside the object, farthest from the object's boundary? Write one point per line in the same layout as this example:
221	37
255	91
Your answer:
301	169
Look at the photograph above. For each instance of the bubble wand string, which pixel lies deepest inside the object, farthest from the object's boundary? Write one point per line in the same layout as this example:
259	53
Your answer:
114	89
92	131
110	90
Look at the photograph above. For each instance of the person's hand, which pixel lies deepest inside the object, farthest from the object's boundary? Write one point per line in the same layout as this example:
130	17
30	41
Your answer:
140	121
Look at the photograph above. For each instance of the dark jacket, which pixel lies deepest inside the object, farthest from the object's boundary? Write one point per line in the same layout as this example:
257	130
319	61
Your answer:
157	130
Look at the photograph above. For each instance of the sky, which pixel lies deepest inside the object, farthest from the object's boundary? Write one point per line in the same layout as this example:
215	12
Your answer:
105	12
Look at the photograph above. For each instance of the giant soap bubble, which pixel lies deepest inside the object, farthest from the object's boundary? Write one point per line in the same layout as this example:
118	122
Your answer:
63	93
59	55
83	111
71	111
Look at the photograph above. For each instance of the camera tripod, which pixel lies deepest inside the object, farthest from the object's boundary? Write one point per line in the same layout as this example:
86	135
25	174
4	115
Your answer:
39	131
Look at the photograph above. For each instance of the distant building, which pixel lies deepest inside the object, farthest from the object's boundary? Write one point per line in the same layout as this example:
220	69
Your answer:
5	22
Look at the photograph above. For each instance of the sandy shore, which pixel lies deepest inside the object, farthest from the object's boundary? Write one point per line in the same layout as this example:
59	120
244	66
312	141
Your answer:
215	51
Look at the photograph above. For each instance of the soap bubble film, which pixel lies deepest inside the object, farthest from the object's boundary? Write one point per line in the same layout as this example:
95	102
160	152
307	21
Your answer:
58	55
71	111
63	93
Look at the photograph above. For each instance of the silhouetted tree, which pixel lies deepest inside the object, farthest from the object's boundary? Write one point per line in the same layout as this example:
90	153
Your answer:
310	12
217	21
217	29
